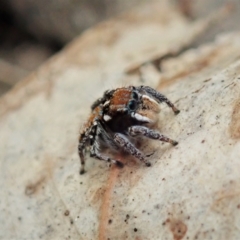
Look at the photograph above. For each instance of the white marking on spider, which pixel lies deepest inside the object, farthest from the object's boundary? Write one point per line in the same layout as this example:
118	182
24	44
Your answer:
149	98
106	103
106	117
141	118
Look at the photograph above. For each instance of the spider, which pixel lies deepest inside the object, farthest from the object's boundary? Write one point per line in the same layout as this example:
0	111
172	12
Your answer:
119	117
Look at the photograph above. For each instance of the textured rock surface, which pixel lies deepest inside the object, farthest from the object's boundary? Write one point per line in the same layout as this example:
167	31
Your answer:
191	191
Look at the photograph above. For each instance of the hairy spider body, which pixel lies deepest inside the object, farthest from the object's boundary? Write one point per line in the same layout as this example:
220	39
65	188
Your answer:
119	116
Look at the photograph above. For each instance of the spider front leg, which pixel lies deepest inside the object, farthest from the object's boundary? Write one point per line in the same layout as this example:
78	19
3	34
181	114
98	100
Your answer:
123	142
106	96
81	146
94	152
147	132
159	97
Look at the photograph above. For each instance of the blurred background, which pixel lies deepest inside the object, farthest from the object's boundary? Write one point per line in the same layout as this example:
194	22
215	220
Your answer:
31	31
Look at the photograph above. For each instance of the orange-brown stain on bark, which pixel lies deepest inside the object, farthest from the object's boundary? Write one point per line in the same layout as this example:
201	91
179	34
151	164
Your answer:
234	127
98	195
106	203
36	184
226	199
196	67
177	227
33	188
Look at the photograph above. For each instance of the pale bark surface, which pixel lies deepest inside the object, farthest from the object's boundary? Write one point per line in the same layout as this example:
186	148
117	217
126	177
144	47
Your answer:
190	192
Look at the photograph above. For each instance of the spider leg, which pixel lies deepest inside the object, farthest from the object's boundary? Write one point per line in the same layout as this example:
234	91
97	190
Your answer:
86	138
95	149
147	132
159	97
123	142
94	152
81	146
101	100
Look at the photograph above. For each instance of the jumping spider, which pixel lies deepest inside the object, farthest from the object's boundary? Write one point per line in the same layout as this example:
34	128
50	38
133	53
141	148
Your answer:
117	118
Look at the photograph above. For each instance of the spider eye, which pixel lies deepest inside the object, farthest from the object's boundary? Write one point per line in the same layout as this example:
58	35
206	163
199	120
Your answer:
132	105
135	95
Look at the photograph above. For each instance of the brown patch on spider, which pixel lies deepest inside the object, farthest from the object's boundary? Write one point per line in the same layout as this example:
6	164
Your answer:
234	127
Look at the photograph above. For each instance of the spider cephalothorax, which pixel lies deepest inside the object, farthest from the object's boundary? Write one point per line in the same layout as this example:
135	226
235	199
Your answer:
120	115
